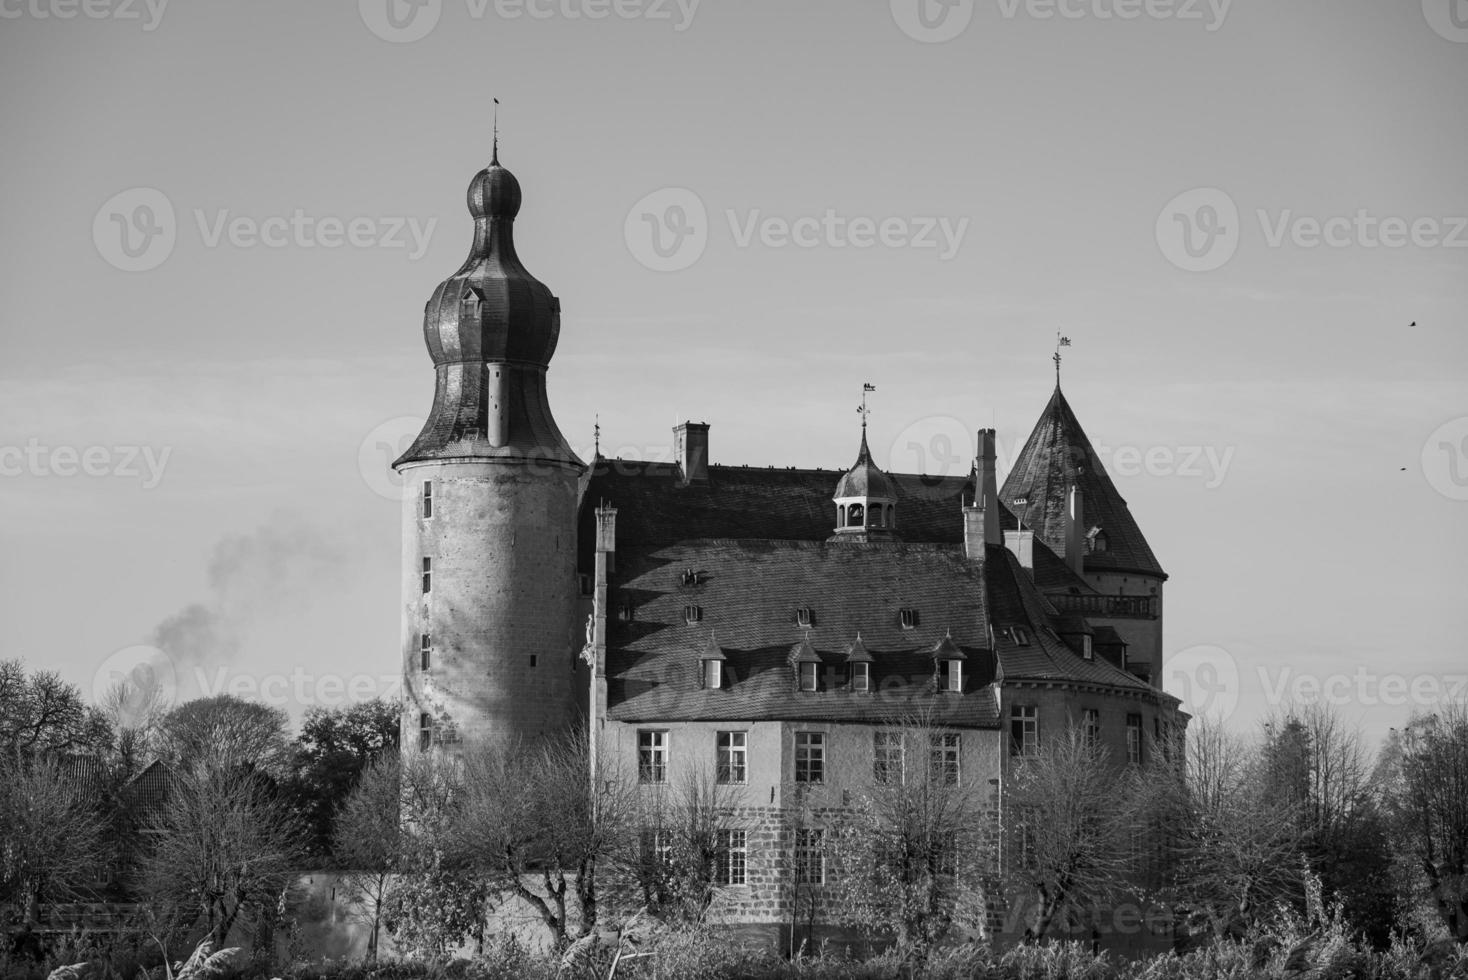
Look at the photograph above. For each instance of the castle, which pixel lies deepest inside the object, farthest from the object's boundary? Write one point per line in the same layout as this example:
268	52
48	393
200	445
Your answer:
762	624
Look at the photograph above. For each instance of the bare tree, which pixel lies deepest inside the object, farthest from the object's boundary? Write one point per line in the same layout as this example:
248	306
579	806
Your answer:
226	730
367	841
1073	820
1425	777
543	826
914	850
1232	858
680	846
39	712
225	845
53	835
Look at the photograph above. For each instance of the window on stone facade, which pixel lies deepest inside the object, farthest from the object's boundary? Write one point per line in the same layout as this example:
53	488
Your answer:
1024	729
427	499
810	856
950	675
887	757
732	762
861	676
810	676
810	757
1091	727
732	857
943	758
425	650
1134	739
427	575
425	731
652	756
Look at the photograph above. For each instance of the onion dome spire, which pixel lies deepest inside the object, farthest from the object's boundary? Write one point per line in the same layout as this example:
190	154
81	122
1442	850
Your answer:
491	329
865	497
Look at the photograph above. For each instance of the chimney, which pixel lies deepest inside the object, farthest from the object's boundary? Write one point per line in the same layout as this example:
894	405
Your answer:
691	450
1022	543
1075	531
988	488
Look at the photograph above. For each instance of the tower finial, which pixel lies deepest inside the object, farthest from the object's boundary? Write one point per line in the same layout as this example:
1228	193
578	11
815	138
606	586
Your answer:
495	156
1059	343
596	436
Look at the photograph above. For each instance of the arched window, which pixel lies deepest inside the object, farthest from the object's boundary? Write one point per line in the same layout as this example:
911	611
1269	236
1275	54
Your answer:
856	516
840	515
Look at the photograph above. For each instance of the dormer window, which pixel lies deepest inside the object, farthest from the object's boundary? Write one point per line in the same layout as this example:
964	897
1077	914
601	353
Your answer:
861	677
692	614
624	612
713	674
690	577
950	675
908	618
810	676
1020	636
1087	652
1096	540
805	617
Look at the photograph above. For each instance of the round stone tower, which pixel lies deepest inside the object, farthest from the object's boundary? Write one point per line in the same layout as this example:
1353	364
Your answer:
489	505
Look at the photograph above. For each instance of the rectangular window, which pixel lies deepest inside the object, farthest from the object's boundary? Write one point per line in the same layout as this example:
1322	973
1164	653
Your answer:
1024	729
425	649
951	674
425	731
861	677
732	757
943	758
810	757
1091	727
805	616
732	857
427	499
657	847
810	676
810	857
1134	739
713	674
887	757
692	614
908	618
427	575
652	756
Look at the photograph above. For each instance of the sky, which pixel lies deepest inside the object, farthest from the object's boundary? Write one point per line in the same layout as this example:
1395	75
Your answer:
222	220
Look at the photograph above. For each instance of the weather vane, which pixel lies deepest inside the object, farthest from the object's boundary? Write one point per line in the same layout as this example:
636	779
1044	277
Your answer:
1059	343
862	410
596	435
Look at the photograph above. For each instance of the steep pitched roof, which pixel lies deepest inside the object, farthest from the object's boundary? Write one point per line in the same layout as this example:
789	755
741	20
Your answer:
1057	455
748	592
654	507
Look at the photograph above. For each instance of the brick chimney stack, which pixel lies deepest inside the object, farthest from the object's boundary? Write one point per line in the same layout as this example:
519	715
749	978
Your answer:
691	450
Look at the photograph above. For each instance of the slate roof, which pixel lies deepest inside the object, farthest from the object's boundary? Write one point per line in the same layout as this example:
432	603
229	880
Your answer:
748	593
147	793
1057	455
653	507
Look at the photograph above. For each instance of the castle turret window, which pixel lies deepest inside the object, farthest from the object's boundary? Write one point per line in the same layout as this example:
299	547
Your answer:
1091	727
427	575
425	731
425	651
427	499
1134	739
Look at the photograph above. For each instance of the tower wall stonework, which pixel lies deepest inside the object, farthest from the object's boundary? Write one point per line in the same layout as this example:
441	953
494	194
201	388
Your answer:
502	608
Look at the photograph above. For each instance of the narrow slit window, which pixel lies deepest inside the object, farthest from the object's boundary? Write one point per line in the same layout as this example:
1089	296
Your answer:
427	499
427	575
425	651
